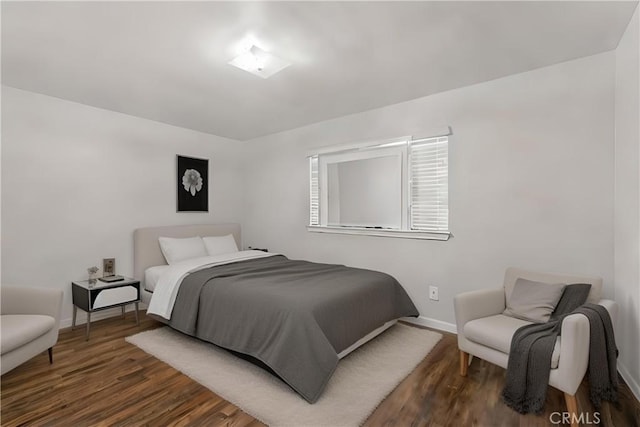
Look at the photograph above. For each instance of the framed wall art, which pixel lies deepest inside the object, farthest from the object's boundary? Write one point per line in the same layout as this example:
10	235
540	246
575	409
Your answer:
192	184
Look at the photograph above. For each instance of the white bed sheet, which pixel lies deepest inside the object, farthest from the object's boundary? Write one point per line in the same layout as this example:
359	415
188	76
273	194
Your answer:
168	284
152	275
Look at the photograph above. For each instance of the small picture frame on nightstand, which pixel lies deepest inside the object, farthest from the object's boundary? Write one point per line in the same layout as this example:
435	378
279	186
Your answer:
109	267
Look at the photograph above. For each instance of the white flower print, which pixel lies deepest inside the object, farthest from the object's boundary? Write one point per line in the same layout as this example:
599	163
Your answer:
192	181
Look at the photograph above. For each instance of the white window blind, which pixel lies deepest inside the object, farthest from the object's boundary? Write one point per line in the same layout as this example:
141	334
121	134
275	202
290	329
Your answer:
314	192
429	184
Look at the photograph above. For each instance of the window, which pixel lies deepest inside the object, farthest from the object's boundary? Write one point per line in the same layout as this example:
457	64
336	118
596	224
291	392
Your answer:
397	188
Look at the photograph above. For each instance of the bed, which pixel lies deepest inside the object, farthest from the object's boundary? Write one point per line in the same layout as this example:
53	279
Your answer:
296	318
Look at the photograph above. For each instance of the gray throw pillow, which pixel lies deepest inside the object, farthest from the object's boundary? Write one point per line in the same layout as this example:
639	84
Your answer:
533	301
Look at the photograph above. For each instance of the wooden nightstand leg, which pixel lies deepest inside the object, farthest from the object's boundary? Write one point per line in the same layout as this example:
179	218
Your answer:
123	311
50	350
137	321
86	338
73	322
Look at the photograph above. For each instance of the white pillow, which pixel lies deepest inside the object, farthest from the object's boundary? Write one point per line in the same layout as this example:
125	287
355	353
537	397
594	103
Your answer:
217	245
176	250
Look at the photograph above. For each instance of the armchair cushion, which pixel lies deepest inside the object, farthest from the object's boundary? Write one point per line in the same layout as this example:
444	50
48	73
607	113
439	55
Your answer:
533	301
496	332
20	329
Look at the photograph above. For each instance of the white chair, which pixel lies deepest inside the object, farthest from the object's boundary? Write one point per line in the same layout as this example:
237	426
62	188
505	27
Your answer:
484	332
29	319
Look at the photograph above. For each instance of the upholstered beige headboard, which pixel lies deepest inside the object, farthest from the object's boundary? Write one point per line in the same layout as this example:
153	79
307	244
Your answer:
146	249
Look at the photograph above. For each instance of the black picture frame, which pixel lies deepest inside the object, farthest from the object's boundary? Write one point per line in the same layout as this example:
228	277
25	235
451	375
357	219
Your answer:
192	184
108	267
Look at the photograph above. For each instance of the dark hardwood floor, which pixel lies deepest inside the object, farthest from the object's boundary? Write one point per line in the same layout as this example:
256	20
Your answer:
107	381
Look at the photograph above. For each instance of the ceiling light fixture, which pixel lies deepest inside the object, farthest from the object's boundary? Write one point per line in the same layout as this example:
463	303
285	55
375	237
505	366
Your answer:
259	63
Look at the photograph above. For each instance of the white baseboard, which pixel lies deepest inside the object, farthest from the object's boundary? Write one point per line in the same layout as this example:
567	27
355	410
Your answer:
431	323
631	382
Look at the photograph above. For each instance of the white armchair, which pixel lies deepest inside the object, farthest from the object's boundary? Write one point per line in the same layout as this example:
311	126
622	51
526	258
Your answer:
484	332
30	319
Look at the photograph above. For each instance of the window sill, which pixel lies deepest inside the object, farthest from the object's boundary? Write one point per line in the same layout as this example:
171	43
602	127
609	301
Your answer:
402	234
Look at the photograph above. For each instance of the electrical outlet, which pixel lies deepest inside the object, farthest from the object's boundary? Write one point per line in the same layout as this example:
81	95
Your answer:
433	293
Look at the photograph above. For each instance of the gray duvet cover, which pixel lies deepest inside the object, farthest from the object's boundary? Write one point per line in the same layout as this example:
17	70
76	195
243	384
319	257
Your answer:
294	316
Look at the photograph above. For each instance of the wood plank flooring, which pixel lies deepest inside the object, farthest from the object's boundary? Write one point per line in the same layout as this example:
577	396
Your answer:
108	382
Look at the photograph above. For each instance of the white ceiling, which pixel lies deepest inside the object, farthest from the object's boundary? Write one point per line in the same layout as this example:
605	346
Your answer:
167	61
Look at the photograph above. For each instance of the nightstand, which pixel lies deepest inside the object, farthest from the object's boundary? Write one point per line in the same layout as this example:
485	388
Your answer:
101	296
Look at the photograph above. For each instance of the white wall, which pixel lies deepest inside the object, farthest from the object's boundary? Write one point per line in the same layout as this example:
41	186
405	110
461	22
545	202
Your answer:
531	183
627	202
77	180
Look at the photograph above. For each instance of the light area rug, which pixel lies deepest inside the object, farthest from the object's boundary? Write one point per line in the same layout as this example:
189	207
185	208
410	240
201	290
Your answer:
361	381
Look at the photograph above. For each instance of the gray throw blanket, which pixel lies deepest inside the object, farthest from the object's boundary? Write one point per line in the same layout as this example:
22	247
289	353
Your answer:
292	316
603	373
532	346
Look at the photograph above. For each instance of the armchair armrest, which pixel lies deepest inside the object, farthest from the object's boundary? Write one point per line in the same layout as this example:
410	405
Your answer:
477	304
31	300
574	353
574	349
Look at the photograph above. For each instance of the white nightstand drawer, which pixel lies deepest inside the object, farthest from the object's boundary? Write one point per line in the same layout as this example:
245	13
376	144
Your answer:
114	296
